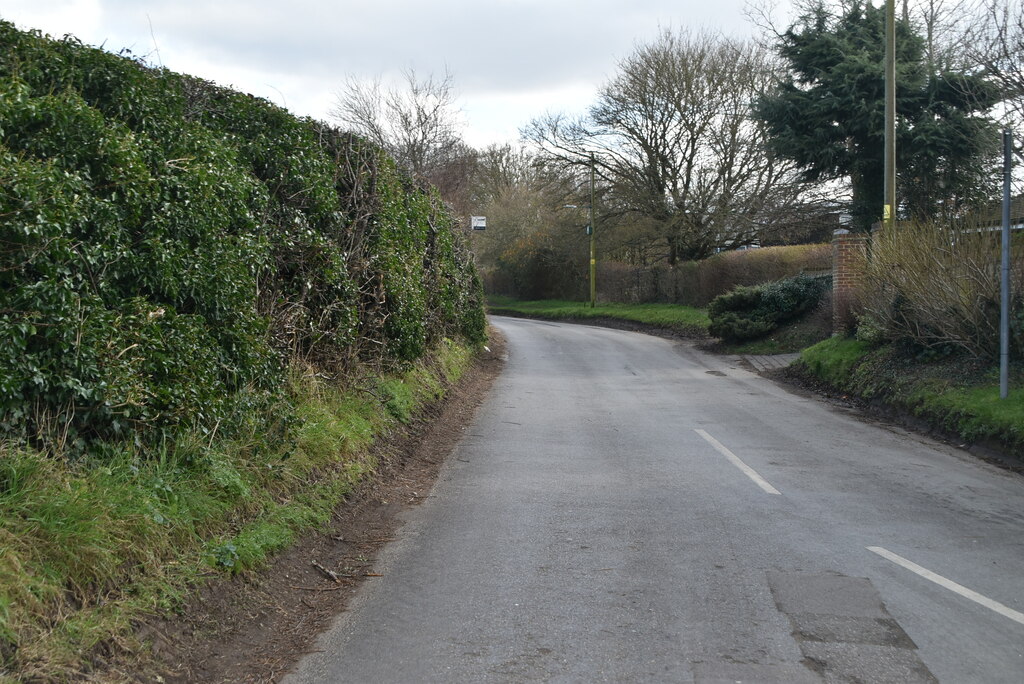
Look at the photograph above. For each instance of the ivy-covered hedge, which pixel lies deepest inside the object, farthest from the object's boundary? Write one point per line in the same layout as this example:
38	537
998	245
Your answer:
747	313
168	246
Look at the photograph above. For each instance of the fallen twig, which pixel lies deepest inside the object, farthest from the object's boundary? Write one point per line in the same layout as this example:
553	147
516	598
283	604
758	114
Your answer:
330	574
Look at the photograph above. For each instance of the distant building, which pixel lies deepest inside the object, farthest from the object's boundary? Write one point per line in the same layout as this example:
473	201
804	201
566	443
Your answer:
991	217
988	218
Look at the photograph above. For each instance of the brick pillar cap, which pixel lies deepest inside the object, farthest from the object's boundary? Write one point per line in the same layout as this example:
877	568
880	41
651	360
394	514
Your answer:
840	231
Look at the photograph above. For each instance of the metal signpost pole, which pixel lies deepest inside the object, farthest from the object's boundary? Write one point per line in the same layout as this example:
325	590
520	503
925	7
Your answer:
1004	309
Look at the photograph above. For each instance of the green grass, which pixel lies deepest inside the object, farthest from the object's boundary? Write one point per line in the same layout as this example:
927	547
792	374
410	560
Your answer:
978	413
786	339
672	316
834	359
88	548
957	394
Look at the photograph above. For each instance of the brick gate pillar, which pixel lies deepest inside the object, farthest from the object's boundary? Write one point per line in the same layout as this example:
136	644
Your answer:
849	256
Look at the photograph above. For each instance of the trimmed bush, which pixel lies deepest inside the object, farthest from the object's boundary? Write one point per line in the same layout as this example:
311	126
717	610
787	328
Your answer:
747	313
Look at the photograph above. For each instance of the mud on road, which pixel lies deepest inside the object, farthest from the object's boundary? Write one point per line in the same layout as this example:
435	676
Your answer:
253	628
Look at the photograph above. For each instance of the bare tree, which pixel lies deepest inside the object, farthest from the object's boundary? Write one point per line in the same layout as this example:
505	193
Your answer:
534	245
502	167
996	43
675	147
944	27
417	123
943	24
523	201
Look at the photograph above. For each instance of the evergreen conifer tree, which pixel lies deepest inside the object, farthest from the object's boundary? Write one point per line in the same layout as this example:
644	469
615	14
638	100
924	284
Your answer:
828	115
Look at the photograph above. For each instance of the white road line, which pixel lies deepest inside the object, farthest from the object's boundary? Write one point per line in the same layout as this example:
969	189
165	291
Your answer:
735	460
1005	611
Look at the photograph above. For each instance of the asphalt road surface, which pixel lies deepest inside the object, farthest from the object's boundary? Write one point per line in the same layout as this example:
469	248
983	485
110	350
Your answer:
625	508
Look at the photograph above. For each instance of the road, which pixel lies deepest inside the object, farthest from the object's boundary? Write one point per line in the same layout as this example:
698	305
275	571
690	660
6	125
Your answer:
625	508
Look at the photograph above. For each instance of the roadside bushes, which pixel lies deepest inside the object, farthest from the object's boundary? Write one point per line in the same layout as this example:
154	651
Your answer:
726	270
541	265
937	287
546	273
695	283
202	301
747	313
168	247
556	271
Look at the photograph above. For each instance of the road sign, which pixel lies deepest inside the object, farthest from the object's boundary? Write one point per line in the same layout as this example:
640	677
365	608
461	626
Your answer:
478	222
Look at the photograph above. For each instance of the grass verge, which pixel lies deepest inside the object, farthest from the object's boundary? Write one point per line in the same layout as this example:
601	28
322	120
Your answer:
833	360
684	319
86	549
957	394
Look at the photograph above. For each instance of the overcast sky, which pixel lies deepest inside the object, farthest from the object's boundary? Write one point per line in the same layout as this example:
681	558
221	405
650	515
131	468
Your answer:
511	60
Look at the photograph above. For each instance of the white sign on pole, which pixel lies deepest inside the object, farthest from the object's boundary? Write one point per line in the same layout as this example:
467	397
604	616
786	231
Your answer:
478	222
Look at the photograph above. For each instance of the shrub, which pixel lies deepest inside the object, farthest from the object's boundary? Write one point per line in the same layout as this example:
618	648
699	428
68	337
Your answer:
937	286
726	270
539	267
750	312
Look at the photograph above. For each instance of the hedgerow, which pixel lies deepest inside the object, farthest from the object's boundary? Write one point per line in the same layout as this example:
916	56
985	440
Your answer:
545	270
168	247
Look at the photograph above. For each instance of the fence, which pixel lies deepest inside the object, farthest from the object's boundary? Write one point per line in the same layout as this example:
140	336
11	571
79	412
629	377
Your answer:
695	283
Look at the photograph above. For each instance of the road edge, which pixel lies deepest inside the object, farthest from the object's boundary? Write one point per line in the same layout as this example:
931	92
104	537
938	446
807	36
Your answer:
256	626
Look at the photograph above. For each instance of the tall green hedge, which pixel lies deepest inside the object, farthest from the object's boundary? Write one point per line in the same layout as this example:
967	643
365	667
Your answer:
168	246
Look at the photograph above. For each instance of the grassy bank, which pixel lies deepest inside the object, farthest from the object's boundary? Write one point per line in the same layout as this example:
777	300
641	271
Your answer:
957	394
186	271
89	547
684	319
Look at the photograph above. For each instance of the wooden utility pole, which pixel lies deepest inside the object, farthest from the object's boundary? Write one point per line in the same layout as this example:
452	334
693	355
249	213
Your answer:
889	209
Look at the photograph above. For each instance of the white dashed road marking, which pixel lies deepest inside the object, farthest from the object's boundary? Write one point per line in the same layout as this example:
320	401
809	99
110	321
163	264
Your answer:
1005	611
735	460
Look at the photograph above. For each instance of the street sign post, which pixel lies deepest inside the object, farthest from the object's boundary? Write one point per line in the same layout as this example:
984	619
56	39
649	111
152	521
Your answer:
1004	307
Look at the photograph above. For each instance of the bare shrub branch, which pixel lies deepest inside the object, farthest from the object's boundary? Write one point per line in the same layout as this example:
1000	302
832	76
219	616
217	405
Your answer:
938	285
